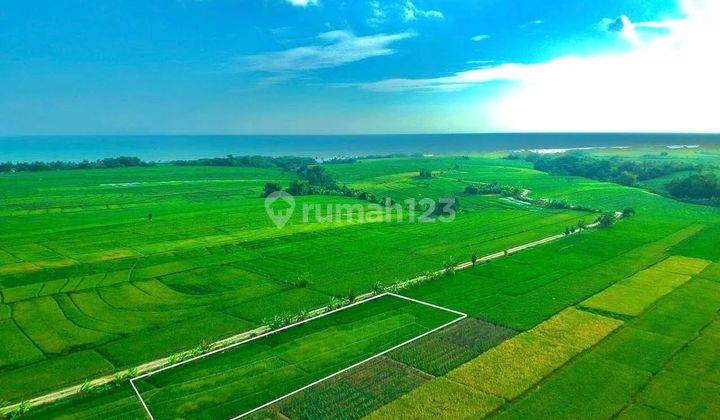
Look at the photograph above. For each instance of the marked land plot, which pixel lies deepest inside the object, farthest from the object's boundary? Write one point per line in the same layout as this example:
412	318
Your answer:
239	380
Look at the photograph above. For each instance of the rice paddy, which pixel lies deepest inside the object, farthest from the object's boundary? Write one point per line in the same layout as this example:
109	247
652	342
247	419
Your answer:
608	322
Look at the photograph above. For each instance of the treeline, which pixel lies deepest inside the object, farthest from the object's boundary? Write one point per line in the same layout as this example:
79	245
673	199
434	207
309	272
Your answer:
314	181
289	163
624	172
494	188
702	188
118	162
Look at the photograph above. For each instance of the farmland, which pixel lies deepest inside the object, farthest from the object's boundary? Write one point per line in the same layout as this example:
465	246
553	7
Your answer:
624	317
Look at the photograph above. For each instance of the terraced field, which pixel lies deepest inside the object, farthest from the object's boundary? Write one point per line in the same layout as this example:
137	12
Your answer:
607	322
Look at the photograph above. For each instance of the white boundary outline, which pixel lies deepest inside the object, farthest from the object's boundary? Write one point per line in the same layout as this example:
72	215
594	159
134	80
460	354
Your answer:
222	349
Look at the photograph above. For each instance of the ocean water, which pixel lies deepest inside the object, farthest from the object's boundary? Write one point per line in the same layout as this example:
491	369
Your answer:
165	148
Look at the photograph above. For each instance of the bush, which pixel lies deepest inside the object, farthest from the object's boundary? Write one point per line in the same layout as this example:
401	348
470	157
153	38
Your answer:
271	187
425	174
606	220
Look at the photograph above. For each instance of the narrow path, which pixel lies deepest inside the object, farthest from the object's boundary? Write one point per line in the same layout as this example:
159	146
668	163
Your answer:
166	361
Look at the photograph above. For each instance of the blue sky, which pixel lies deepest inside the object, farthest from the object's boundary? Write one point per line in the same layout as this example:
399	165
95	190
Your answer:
356	66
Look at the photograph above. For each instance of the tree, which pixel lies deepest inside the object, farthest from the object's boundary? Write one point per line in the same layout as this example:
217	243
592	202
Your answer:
628	212
695	186
627	178
581	225
316	175
425	173
150	216
474	259
606	220
271	187
298	188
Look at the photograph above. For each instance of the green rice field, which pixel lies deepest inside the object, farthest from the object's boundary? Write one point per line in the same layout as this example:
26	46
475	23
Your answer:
609	322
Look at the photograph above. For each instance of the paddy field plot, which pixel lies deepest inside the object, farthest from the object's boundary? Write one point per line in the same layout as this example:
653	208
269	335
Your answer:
79	248
245	377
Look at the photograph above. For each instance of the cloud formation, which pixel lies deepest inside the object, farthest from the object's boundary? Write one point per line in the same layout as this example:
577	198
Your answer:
412	12
303	3
478	38
334	49
666	82
405	11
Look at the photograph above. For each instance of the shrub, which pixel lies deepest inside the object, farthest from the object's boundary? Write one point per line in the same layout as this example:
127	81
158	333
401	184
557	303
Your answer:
425	174
606	220
378	287
271	187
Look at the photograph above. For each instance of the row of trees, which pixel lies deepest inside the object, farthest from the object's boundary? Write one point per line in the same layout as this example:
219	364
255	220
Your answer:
290	163
494	188
118	162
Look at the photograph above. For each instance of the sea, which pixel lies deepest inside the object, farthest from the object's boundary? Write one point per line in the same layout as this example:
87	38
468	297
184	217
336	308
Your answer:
175	147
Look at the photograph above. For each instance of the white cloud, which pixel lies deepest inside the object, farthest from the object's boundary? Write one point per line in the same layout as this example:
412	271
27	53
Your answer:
478	38
412	12
303	3
667	82
378	15
334	49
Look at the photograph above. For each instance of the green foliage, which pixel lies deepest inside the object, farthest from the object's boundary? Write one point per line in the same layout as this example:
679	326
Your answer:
271	187
317	175
703	186
20	411
606	220
425	174
289	163
494	188
378	287
624	172
119	162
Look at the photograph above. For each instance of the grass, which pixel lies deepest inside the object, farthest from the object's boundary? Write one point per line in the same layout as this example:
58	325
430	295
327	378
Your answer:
593	388
440	398
643	412
682	395
117	403
683	265
699	358
631	296
515	365
648	362
701	245
46	375
247	376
